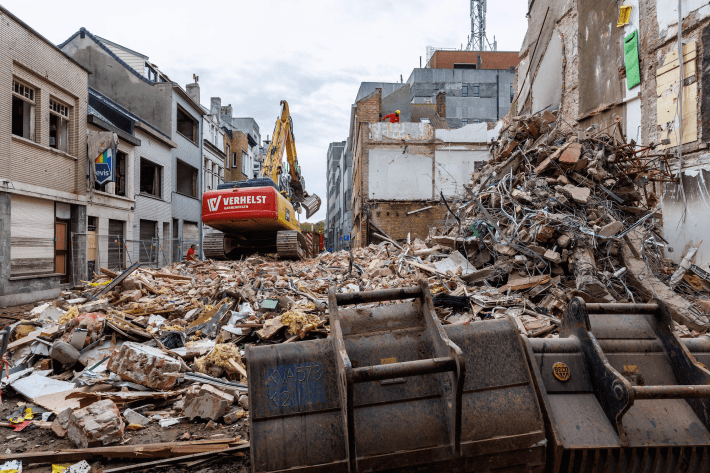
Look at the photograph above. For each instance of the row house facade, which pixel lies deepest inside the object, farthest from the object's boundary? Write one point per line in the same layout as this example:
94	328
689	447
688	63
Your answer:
57	225
43	163
168	165
242	143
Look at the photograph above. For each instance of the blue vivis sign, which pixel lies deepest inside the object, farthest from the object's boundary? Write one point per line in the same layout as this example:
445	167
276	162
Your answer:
105	166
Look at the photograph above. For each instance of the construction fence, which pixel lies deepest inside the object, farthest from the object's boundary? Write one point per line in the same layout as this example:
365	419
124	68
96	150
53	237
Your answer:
116	253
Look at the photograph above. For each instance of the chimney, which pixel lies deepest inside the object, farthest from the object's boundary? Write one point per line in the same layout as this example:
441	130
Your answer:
441	104
215	106
193	90
226	113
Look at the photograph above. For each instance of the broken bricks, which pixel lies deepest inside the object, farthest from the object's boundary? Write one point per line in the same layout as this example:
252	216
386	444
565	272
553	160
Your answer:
96	425
145	365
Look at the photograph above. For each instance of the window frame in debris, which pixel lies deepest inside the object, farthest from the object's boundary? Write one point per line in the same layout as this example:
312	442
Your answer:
24	95
157	181
59	125
187	188
181	124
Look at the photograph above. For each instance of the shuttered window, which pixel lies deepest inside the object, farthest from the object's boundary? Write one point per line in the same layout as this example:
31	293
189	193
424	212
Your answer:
31	236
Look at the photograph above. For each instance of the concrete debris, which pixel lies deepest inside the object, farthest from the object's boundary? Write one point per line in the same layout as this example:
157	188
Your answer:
61	423
207	402
96	425
132	417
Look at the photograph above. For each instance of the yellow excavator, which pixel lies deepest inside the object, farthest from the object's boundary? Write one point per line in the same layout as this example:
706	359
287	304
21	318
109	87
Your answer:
259	215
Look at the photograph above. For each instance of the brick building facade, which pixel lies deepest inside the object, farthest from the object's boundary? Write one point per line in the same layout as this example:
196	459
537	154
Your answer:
236	147
43	185
443	59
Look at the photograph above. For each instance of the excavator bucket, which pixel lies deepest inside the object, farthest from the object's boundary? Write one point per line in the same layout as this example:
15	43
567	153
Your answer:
394	390
622	392
311	204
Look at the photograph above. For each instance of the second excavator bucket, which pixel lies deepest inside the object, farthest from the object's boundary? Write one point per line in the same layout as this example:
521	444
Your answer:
394	390
311	204
623	392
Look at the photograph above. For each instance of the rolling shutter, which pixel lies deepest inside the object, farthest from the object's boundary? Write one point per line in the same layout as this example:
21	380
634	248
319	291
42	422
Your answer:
115	244
148	231
31	236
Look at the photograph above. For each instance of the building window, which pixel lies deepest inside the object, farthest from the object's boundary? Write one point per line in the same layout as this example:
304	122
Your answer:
186	125
151	178
476	90
228	154
427	100
186	179
476	121
245	159
23	110
151	73
234	161
464	91
58	126
121	173
464	121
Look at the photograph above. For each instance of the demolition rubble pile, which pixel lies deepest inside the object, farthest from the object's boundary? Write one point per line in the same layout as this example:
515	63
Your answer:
559	214
555	214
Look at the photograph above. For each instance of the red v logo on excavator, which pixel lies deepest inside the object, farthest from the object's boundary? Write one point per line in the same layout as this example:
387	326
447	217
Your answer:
214	203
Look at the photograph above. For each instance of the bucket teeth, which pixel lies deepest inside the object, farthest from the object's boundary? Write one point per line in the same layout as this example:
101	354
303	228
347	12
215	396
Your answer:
311	204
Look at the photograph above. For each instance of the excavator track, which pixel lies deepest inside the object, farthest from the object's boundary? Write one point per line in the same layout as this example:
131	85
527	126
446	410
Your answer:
213	246
291	245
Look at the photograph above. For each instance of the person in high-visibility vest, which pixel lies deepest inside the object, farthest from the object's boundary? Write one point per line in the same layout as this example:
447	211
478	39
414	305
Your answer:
393	117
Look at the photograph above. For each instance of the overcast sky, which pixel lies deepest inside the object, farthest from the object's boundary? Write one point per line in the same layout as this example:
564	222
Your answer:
312	53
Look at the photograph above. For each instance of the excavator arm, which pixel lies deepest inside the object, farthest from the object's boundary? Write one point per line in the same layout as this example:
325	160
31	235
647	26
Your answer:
294	188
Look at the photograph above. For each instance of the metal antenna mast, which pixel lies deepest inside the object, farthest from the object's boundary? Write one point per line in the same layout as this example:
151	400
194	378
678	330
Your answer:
478	41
